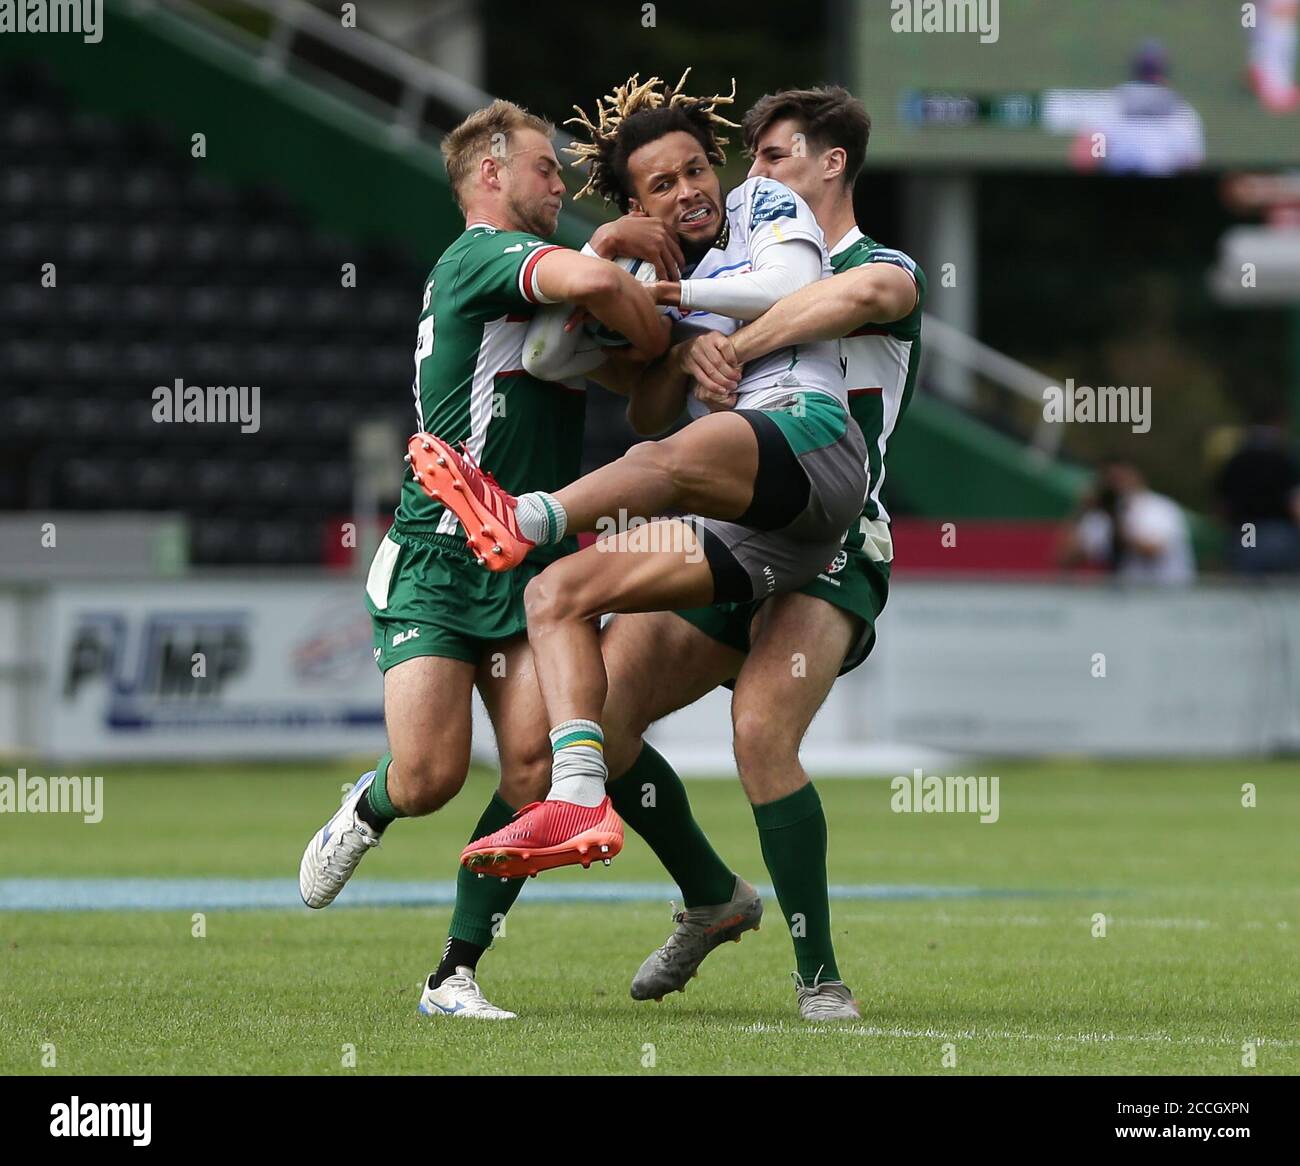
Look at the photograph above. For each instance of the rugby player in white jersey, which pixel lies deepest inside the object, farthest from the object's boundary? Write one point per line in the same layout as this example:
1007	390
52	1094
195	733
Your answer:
772	483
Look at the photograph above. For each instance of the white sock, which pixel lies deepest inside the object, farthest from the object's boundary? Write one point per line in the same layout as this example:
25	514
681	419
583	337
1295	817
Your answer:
541	519
578	763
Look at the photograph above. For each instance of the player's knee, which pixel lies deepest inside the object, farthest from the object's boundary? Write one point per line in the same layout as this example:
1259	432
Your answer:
762	744
656	459
549	598
526	776
423	783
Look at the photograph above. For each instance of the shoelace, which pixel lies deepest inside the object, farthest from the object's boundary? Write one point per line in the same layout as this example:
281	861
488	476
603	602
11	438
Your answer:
477	1002
469	985
348	847
672	944
469	458
815	986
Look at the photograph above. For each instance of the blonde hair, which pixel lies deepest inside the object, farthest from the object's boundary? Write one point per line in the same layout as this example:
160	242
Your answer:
483	134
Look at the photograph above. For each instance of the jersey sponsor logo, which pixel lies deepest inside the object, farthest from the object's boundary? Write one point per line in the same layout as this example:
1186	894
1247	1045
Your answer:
897	258
771	201
403	637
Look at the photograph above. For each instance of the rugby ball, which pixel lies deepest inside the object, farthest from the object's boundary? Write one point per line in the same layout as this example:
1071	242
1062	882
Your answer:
639	269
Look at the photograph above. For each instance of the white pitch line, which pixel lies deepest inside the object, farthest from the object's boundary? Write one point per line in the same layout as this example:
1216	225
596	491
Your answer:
1112	920
1084	1038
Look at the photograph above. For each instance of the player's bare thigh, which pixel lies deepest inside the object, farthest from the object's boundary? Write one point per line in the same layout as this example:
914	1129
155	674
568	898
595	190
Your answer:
798	645
708	467
428	714
507	682
657	663
655	567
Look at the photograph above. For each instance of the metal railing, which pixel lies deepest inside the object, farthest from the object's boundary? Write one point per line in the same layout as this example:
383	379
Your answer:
999	369
416	81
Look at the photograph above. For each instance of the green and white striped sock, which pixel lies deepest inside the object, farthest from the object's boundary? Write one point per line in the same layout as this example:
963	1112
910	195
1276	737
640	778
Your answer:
541	518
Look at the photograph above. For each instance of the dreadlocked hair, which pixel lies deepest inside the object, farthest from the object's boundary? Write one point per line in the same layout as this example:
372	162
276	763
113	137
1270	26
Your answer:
634	115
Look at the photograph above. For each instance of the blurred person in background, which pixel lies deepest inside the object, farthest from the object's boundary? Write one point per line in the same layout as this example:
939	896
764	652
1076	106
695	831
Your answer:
1152	130
1259	499
1272	56
1128	529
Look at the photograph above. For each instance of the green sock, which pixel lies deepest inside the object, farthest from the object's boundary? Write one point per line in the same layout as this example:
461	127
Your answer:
483	902
792	833
377	793
669	830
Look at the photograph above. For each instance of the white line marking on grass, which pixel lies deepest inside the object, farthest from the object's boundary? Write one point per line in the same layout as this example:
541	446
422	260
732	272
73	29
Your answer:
943	918
181	894
934	1034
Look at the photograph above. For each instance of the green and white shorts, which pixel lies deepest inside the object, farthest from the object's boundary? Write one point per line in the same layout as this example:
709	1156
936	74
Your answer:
851	581
428	597
809	489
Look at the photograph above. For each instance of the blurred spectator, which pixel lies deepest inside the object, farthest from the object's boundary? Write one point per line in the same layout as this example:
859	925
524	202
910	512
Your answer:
1152	129
1130	530
1272	56
1259	493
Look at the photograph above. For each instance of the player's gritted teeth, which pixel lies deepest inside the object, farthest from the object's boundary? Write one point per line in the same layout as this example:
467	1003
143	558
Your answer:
698	218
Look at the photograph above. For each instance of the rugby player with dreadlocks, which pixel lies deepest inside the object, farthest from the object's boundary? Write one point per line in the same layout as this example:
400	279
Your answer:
772	483
815	140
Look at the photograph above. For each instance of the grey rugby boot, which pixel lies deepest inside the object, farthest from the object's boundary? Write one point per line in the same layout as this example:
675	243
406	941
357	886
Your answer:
699	930
825	999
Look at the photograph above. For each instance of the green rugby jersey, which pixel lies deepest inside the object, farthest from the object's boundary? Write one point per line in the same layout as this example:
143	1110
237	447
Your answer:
879	363
470	384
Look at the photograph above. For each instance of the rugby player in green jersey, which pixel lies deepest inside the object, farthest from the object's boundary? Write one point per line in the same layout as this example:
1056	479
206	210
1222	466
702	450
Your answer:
442	626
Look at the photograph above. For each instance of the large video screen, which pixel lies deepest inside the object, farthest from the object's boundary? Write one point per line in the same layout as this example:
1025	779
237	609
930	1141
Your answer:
1113	86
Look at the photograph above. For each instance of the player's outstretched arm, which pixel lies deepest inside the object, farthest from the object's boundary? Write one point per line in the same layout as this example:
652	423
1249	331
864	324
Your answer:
875	293
609	293
778	271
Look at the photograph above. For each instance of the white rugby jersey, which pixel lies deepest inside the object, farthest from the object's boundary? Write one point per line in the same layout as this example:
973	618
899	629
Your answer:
760	214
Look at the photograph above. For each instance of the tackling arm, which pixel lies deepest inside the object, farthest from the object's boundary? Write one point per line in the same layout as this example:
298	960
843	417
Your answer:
875	293
608	292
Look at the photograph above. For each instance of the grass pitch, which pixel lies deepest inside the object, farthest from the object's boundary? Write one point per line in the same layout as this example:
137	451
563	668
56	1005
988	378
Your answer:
1196	967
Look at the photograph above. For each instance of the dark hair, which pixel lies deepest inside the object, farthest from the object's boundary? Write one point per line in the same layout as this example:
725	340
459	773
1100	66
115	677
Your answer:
635	115
831	117
615	183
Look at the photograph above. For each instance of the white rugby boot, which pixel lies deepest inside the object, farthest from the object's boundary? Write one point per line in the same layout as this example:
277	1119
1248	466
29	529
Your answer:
335	850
